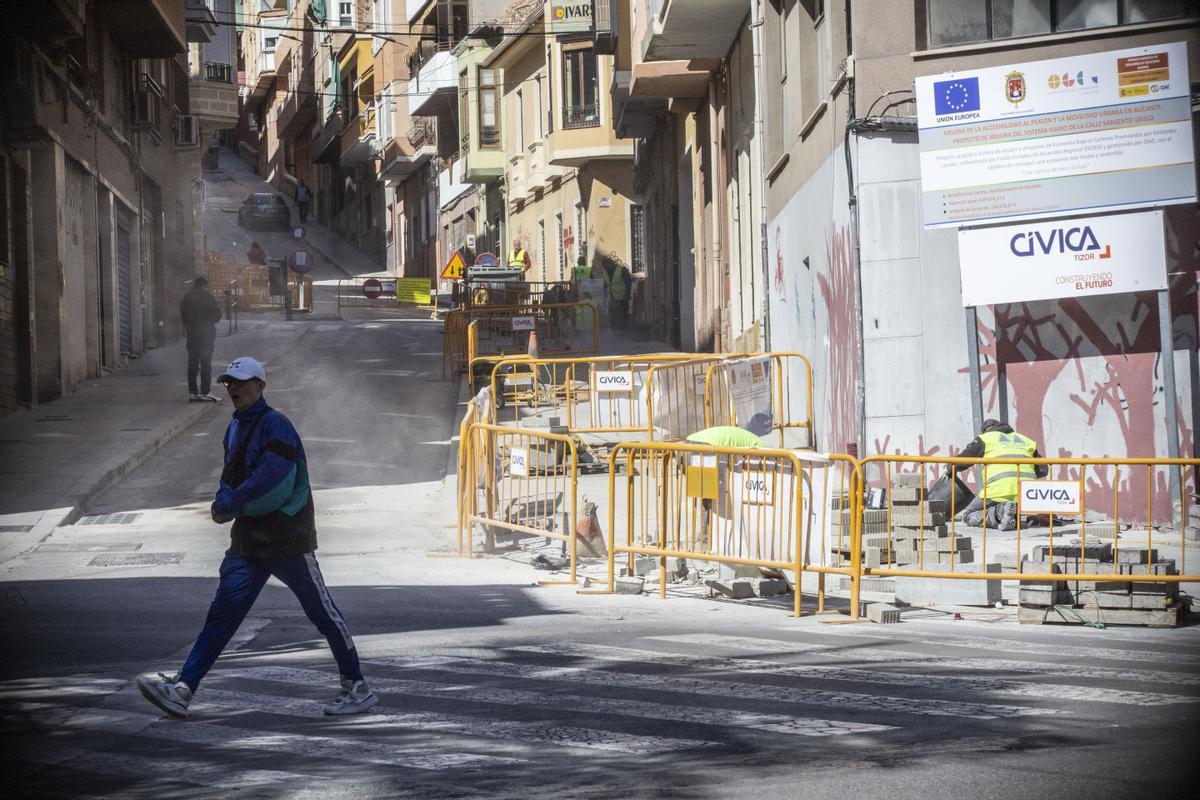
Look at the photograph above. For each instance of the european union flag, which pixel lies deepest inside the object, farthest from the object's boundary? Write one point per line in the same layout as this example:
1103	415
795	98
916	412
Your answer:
956	96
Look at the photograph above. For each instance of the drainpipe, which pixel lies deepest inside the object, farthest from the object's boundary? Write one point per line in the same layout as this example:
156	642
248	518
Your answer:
760	136
860	387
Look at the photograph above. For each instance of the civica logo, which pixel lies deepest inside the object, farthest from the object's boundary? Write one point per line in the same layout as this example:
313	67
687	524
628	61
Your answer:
1056	240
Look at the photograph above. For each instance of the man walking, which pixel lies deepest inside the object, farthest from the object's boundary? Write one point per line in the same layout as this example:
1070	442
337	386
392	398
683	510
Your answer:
998	482
265	491
200	314
303	198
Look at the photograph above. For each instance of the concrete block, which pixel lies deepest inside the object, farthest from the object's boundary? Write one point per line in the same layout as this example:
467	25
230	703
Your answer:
960	557
729	572
769	587
1098	552
949	543
1136	555
883	613
1042	594
1110	599
738	590
645	565
905	495
917	532
1150	602
872	583
915	518
948	591
907	480
1161	589
630	585
1166	567
871	556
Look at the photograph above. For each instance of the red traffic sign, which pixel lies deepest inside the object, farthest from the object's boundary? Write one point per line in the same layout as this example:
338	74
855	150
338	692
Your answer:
372	288
487	260
300	261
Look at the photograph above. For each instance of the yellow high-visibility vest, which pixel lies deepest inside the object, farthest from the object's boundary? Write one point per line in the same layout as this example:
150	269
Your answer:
1000	480
518	258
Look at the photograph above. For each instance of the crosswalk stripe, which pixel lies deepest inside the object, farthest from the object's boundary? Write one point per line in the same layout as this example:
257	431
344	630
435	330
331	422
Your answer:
1072	651
573	704
182	770
552	733
934	681
841	701
209	734
886	654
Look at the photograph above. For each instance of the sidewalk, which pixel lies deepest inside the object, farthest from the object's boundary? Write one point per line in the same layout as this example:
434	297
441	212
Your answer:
63	452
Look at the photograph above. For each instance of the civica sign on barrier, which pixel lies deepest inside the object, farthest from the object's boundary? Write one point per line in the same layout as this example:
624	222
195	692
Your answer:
614	381
1050	497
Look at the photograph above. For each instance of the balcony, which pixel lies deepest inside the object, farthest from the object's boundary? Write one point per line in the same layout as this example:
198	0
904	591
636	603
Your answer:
213	97
581	139
403	156
146	28
264	77
581	116
518	188
359	140
633	118
200	21
675	83
690	29
436	84
298	109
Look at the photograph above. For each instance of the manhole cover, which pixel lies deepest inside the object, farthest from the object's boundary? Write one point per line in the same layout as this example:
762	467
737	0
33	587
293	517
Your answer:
122	518
136	560
15	528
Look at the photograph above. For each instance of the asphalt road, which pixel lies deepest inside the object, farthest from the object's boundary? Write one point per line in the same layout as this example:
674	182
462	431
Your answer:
495	687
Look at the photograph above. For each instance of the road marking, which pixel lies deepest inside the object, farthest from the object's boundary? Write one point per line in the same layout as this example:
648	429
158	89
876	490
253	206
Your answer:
843	701
888	655
364	464
569	703
325	440
464	724
228	737
934	681
182	770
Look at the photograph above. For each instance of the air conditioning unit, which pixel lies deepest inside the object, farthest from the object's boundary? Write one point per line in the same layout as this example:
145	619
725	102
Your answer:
187	132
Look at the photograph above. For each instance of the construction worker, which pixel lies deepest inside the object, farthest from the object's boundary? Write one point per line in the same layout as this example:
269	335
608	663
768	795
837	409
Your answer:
581	271
518	257
998	482
726	436
616	285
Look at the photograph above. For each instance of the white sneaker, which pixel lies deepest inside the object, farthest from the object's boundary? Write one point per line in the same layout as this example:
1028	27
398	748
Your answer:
196	398
170	694
210	398
355	698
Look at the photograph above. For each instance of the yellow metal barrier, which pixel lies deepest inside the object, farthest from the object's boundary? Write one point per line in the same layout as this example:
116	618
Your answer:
485	292
350	293
528	480
596	394
676	395
775	384
911	534
568	328
733	505
478	411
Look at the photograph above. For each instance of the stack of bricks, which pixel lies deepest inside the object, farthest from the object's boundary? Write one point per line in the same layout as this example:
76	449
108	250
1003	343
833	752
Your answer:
1098	559
918	537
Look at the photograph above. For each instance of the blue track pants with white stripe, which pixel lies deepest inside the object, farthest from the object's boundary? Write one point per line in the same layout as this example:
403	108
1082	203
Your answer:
241	581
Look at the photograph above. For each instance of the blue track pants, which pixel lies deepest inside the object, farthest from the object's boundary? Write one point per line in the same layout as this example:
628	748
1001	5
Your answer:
241	581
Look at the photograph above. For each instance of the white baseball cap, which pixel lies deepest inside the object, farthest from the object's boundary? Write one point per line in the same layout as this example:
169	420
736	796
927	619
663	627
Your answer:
244	368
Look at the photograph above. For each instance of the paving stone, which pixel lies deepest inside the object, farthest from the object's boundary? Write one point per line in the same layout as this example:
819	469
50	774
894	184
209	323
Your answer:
1041	594
948	591
1096	551
630	585
1111	599
872	583
644	565
883	613
769	587
958	557
905	495
871	556
916	531
902	480
1166	567
947	544
728	572
1136	555
1150	602
738	590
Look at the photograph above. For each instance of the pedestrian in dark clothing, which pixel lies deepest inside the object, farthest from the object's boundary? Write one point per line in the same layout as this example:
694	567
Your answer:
265	491
200	314
303	198
998	482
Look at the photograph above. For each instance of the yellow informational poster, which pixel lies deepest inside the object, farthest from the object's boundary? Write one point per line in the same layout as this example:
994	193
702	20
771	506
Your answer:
413	290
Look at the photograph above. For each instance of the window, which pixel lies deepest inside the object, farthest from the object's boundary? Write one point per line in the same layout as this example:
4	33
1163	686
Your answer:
580	106
489	110
453	17
270	43
346	14
953	22
637	238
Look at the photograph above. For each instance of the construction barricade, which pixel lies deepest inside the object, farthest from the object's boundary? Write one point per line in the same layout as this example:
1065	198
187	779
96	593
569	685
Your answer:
571	329
676	397
366	293
746	506
1051	539
769	393
479	410
520	482
484	292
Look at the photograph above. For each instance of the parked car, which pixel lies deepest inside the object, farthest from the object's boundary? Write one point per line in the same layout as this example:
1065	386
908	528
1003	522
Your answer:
265	210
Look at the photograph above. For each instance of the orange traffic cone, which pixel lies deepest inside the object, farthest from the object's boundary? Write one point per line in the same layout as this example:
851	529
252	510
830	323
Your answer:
533	348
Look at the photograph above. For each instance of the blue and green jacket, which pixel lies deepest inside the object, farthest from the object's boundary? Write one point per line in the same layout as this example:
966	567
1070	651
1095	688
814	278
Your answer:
265	486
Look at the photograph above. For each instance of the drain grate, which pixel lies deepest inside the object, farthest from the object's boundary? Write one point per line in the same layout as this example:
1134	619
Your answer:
120	518
15	528
136	560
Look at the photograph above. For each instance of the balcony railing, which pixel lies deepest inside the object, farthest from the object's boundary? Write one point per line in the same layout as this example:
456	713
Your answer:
584	116
423	134
220	73
464	144
489	137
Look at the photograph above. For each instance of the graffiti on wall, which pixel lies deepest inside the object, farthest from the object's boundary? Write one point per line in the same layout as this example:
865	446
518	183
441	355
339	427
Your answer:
837	290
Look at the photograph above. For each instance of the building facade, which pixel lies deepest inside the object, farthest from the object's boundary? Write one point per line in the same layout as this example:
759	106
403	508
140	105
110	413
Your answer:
97	169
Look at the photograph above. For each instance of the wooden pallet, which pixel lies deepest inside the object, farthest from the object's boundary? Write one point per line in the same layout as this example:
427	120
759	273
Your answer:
1170	617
